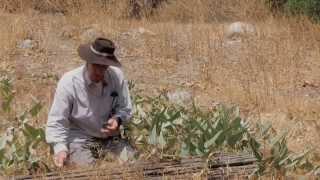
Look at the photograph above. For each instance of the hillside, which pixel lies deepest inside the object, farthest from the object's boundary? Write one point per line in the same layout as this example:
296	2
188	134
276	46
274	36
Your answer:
271	72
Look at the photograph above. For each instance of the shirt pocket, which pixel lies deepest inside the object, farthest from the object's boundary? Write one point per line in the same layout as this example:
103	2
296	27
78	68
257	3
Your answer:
81	102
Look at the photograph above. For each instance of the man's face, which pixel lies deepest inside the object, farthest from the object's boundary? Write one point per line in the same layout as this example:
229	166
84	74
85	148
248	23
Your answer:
96	72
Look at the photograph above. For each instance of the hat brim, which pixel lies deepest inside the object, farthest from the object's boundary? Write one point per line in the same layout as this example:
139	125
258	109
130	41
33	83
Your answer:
87	55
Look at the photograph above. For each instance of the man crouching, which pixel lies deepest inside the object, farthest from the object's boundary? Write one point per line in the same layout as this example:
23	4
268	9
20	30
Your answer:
90	104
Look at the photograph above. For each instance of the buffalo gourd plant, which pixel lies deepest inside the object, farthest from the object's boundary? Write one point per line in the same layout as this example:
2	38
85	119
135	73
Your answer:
158	128
273	154
167	130
18	142
177	131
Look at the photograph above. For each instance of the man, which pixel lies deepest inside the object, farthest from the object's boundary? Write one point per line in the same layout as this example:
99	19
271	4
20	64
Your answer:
90	104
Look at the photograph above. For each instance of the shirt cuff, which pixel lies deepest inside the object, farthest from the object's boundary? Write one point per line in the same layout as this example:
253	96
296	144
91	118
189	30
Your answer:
59	147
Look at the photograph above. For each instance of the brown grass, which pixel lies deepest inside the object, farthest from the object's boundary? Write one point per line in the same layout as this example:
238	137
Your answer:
273	75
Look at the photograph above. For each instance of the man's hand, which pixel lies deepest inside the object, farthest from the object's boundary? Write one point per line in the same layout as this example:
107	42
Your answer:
112	127
60	158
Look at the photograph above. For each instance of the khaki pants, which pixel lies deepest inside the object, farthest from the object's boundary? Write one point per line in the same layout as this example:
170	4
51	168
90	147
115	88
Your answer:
87	153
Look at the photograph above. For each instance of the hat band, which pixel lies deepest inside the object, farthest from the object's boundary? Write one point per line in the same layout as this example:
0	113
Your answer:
100	53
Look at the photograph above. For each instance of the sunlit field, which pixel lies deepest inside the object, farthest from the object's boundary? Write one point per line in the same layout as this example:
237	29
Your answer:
267	74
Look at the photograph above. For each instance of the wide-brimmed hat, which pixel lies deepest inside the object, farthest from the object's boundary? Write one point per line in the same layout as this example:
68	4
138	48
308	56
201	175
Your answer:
101	51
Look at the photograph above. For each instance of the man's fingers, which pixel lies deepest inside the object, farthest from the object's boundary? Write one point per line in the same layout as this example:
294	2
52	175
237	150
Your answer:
59	161
60	158
59	164
109	132
112	127
112	124
105	130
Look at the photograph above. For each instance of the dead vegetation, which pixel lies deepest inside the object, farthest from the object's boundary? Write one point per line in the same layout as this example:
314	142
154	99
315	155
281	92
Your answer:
273	74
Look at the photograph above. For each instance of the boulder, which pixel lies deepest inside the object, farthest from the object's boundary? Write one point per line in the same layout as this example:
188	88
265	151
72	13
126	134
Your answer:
180	97
26	44
239	29
138	32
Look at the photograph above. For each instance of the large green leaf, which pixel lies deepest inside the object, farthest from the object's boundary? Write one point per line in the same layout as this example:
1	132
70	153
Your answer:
2	156
255	147
236	123
153	136
284	161
3	142
174	116
213	140
235	138
30	131
124	155
184	152
300	156
166	125
6	91
162	141
34	111
278	139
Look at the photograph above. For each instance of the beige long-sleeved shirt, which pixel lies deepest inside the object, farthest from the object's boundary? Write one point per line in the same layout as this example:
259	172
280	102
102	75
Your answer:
80	107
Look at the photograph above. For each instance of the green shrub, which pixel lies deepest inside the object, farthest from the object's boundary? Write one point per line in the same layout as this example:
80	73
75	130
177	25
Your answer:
310	8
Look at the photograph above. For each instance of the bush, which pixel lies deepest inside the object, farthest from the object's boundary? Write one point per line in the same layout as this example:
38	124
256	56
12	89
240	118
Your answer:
310	8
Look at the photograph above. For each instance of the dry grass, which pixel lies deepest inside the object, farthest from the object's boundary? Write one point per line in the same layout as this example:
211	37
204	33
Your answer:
273	75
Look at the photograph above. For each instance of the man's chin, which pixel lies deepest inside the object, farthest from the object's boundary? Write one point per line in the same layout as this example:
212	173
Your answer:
97	80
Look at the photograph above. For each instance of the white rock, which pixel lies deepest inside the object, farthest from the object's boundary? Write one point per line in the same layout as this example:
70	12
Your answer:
26	44
180	97
239	29
136	33
142	30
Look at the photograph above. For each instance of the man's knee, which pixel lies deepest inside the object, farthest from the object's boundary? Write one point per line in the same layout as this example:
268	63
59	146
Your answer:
80	155
119	146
